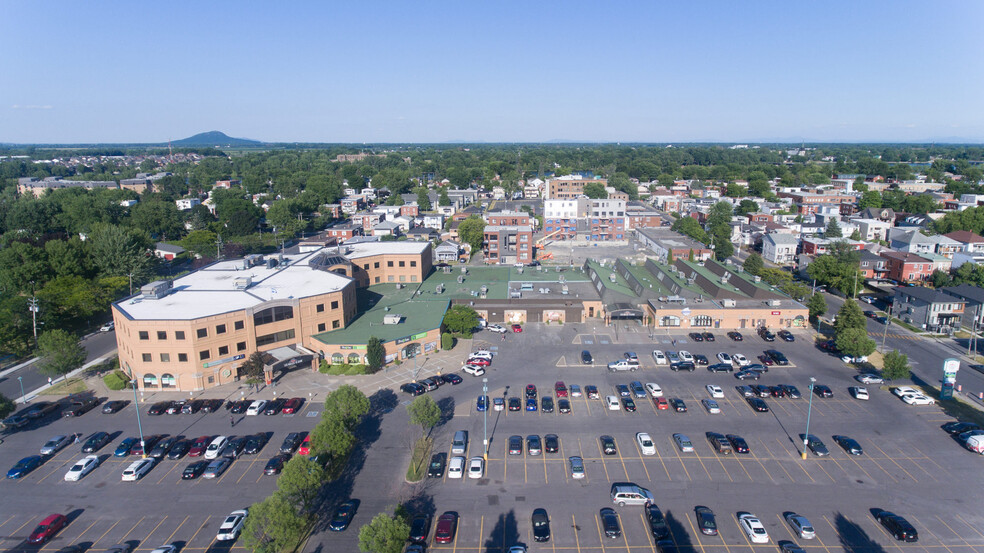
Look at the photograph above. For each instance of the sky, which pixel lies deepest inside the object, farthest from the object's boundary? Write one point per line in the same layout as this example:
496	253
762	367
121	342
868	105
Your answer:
503	71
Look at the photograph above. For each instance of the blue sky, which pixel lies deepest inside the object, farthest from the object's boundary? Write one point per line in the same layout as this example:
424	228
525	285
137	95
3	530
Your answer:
492	71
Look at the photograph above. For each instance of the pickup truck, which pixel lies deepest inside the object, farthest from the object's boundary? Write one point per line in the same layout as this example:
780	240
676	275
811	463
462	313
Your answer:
623	365
79	407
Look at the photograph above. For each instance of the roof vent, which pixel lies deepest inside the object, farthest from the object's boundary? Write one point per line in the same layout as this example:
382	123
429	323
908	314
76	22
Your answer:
156	290
242	283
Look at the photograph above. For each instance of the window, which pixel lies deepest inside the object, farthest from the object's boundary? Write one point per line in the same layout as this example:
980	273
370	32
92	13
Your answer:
223	350
390	278
375	265
182	358
241	346
353	359
413	263
161	335
165	358
275	337
320	308
179	335
334	305
377	280
203	355
168	381
403	264
413	278
239	325
366	266
670	321
337	359
336	324
147	358
322	327
273	314
202	332
144	335
403	278
220	329
389	263
701	320
150	379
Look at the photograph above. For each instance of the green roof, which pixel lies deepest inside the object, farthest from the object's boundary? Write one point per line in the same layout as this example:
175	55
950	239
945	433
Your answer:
619	285
420	314
646	278
671	273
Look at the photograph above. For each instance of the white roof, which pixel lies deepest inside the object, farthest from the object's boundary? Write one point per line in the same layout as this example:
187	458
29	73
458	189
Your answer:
366	249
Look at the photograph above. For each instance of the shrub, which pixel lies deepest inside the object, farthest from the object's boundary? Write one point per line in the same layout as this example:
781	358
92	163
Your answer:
116	380
324	367
447	341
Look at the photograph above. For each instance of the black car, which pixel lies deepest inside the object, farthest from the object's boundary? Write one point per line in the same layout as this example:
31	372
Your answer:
705	520
696	336
608	445
42	409
551	443
547	404
564	405
657	522
515	445
609	521
211	405
291	441
735	336
586	357
678	405
273	407
777	391
897	526
179	449
163	447
748	375
255	443
436	467
80	407
628	404
234	447
701	360
721	368
815	445
276	464
786	336
849	444
823	391
95	442
451	378
111	407
777	356
766	334
343	517
194	470
541	525
792	392
192	407
737	443
413	388
957	427
515	404
683	366
419	528
758	404
708	337
159	408
530	391
238	407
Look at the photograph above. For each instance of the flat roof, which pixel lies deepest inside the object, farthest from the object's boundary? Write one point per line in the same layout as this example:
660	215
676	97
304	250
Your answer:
356	250
420	314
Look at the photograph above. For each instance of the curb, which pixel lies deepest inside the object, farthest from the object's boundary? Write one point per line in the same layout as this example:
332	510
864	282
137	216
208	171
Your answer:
28	396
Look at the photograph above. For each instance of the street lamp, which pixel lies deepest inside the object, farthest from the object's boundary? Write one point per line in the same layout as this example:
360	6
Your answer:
806	437
143	446
485	430
23	397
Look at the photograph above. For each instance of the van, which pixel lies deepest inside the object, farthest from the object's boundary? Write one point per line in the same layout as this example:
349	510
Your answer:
627	493
459	443
215	448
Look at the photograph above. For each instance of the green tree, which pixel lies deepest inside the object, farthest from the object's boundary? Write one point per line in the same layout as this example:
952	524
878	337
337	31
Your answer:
723	248
16	326
669	256
375	354
424	412
23	268
939	279
753	264
384	534
158	218
347	404
59	353
68	257
688	226
118	251
856	235
442	198
896	366
72	299
300	482
252	368
871	198
595	191
423	200
274	526
735	191
332	436
849	316
6	406
746	207
817	306
201	242
833	230
460	319
854	342
472	232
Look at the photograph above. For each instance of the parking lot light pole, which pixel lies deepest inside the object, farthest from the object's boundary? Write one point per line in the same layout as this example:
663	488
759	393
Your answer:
806	437
485	431
143	446
23	397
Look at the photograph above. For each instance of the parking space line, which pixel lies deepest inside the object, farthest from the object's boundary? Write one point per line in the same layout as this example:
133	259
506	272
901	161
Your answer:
168	472
925	527
645	527
168	540
820	464
123	539
893	460
577	540
777	463
660	456
602	458
245	472
972	526
481	530
601	537
4	523
697	534
707	472
742	465
99	539
195	535
11	536
857	464
154	530
721	462
543	455
83	532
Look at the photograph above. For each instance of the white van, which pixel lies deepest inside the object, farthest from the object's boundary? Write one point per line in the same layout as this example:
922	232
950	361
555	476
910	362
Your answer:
612	402
256	407
459	443
456	467
215	448
627	493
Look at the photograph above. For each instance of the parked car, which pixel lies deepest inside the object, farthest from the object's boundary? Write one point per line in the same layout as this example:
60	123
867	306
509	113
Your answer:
24	466
800	525
758	404
777	356
419	528
719	443
683	443
54	445
705	520
858	392
541	525
124	447
815	445
696	336
276	463
274	407
786	336
823	391
413	388
111	407
80	407
343	516
217	467
708	336
159	408
576	466
753	528
436	467
586	358
900	528
137	469
766	334
194	470
737	443
735	336
95	442
232	525
51	525
452	379
293	405
849	444
609	523
447	526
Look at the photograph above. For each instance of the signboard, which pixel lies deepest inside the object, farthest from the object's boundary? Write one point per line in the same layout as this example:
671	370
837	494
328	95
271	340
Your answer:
419	336
351	347
946	391
226	360
685	311
950	368
403	340
777	312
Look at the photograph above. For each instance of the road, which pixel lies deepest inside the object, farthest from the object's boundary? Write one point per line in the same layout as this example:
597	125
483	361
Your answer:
96	345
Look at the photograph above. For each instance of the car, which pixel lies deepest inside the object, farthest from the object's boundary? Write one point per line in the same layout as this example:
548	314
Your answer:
498	329
514	404
586	358
903	390
79	407
546	404
234	447
711	406
661	403
124	447
498	403
719	443
721	368
530	391
121	548
255	443
592	392
823	391
211	405
628	405
215	447
737	443
419	528
137	469
431	383
413	388
517	328
899	528
513	549
436	467
786	336
163	446
564	406
515	445
51	525
54	445
456	467
701	360
623	390
95	442
169	548
276	463
801	525
194	470
957	427
575	390
623	365
551	443
216	468
159	408
560	389
238	407
256	407
777	391
714	391
777	356
735	336
147	445
748	375
673	357
828	346
608	445
791	391
696	336
660	357
476	468
541	525
786	546
708	336
447	525
479	361
858	392
686	356
612	403
683	366
609	523
24	466
291	442
198	446
705	520
531	404
765	360
654	389
631	356
576	466
473	370
753	528
815	445
678	405
740	360
745	391
849	444
107	327
232	525
192	407
683	443
757	367
293	405
451	379
918	399
758	404
483	354
766	334
638	390
724	358
869	378
646	445
343	516
114	406
657	522
482	403
176	407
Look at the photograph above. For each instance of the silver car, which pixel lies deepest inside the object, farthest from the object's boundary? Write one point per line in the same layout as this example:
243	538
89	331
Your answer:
801	525
684	443
55	445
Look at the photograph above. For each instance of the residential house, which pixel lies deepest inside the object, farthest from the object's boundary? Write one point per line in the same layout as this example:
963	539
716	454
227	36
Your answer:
607	219
972	243
569	186
352	204
167	252
779	248
508	218
229	183
434	221
760	217
423	234
819	246
913	241
448	251
184	204
872	265
872	229
641	215
974	308
368	221
386	228
906	267
880	213
344	231
932	310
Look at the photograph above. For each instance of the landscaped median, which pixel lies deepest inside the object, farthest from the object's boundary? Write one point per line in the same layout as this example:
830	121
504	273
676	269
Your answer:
425	413
418	461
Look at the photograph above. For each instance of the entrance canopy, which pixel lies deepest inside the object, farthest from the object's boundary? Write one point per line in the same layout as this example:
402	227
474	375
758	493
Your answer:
622	311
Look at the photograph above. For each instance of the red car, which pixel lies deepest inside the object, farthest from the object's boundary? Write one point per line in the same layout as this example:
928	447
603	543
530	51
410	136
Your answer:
47	529
661	403
766	360
480	361
447	525
517	328
305	448
293	405
199	445
560	389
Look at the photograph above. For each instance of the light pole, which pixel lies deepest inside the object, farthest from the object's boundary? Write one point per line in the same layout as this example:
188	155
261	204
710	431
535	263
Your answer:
143	446
809	411
23	397
485	429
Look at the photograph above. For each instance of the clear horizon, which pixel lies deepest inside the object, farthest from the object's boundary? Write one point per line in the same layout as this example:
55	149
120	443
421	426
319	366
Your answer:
442	72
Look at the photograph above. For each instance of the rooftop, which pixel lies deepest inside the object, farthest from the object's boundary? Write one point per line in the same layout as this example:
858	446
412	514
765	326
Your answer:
927	295
419	315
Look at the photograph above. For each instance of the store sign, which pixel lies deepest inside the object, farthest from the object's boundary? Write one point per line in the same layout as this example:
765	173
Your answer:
419	336
226	360
403	340
351	347
777	312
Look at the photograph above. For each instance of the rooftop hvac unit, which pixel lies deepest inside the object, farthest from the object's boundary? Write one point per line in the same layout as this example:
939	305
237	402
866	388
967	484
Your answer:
156	290
464	270
519	270
242	283
611	277
461	279
271	263
392	319
253	259
564	290
728	303
774	303
399	286
757	278
515	294
440	288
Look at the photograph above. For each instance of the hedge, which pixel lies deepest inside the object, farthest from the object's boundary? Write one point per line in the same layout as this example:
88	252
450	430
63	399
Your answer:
116	380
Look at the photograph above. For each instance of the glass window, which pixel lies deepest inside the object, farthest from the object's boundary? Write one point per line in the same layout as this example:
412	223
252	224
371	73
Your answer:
413	263
165	358
220	329
204	354
375	265
336	324
320	308
403	264
144	335
146	357
179	335
366	266
337	359
223	350
241	346
202	332
353	359
161	335
322	327
168	381
182	358
275	337
334	305
239	325
150	379
273	314
670	321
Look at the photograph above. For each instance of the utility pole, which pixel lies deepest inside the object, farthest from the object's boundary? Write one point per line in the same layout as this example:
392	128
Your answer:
32	305
888	321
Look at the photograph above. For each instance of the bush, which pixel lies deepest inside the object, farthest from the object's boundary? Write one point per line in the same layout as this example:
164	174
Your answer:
447	341
116	380
324	367
355	369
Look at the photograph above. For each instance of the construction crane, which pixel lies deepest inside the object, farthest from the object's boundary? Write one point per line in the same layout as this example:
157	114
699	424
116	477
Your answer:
539	243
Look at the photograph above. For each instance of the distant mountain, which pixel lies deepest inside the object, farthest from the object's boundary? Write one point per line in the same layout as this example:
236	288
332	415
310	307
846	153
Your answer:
214	138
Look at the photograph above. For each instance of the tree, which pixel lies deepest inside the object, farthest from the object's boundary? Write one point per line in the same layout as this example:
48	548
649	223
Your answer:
23	268
300	482
896	365
669	256
424	412
158	218
375	354
849	316
119	251
6	406
688	226
856	235
472	232
753	264
16	326
442	198
871	198
332	436
939	279
460	319
384	534
817	306
723	248
252	368
735	191
833	230
274	525
346	404
746	207
855	342
59	353
595	191
423	200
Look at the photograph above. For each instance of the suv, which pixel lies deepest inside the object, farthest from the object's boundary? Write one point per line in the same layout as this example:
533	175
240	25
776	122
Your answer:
78	408
628	493
766	334
777	356
683	366
719	443
897	526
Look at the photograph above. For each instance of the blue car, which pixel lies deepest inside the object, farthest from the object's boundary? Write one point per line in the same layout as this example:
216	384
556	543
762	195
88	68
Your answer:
24	466
483	403
531	404
125	446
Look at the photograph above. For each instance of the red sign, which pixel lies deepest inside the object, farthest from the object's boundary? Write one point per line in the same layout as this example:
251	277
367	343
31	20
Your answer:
777	312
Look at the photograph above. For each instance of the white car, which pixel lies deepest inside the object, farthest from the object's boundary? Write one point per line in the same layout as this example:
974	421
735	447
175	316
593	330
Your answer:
612	402
256	407
715	391
476	467
918	399
496	328
869	378
654	389
686	356
107	327
215	448
740	360
724	358
660	357
456	467
138	469
903	390
482	354
645	444
232	525
849	359
473	370
859	392
801	525
711	406
754	528
169	548
81	468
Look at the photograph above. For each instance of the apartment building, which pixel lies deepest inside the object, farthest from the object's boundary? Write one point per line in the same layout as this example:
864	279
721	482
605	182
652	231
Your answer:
569	186
508	244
